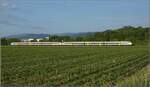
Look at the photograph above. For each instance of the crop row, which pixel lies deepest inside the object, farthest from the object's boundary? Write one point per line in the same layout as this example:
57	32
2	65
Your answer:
56	66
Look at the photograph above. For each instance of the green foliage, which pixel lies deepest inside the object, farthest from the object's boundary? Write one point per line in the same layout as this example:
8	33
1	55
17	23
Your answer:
137	35
70	66
60	38
139	79
34	40
4	41
79	38
7	41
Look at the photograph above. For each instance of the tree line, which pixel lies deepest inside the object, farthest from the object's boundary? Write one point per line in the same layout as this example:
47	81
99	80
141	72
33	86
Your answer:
138	35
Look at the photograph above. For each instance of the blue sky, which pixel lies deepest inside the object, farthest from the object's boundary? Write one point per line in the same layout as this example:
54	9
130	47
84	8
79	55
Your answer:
60	16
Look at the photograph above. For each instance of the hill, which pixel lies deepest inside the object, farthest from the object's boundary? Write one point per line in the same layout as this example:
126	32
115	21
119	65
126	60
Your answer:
137	35
27	36
79	34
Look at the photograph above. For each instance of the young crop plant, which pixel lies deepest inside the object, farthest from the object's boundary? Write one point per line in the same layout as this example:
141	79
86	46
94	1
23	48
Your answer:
73	66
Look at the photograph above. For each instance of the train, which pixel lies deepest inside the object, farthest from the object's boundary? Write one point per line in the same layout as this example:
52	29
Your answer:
83	43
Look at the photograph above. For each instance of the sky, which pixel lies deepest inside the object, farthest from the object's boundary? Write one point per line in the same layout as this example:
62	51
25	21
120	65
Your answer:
63	16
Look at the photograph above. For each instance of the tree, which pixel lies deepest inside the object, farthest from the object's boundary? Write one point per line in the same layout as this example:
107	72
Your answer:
8	41
79	38
4	41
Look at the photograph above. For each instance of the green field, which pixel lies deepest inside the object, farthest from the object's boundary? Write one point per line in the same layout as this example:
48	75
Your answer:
70	66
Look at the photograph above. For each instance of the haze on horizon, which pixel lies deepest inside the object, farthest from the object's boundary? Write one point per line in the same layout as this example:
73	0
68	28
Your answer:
60	16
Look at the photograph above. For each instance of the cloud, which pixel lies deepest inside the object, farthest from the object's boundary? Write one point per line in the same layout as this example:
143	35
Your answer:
7	4
17	21
105	18
128	18
23	26
11	17
113	18
4	4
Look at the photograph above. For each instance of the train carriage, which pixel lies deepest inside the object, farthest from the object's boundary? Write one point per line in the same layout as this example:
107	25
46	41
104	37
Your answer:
98	43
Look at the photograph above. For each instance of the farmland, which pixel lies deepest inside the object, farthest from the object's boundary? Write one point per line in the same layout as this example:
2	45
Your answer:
70	66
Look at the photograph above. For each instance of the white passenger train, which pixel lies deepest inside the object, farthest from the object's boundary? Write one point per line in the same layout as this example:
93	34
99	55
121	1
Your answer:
99	43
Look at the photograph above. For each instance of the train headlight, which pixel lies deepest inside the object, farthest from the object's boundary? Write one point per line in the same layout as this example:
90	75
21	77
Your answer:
130	43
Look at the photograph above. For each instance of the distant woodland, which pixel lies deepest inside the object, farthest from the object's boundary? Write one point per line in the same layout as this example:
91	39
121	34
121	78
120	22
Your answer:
138	36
